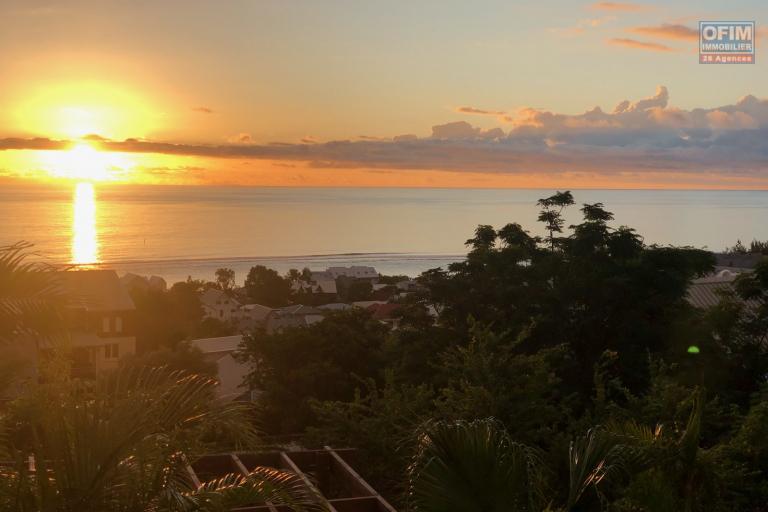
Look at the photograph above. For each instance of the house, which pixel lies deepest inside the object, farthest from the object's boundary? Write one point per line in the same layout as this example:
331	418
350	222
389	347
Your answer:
316	285
388	313
252	316
707	291
219	305
100	316
229	371
293	316
408	285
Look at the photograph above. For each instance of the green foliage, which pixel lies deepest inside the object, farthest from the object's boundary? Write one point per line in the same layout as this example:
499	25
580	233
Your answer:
265	286
323	361
380	420
163	319
122	443
182	357
473	467
351	289
31	298
225	278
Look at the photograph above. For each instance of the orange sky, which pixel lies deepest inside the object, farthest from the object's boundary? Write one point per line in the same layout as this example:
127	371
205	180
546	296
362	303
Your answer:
578	95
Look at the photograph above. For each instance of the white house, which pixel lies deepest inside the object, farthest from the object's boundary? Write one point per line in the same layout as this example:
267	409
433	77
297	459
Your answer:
317	285
229	371
219	305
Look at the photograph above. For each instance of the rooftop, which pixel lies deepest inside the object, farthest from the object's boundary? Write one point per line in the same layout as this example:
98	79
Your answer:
215	345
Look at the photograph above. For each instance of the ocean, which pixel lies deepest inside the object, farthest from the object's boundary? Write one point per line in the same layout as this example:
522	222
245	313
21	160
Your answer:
180	231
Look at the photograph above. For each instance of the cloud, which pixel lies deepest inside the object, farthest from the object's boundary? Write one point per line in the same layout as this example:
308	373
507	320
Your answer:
647	135
479	111
202	110
668	31
464	130
619	6
642	45
659	99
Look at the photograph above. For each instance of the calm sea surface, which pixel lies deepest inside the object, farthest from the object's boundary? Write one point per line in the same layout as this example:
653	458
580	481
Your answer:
180	231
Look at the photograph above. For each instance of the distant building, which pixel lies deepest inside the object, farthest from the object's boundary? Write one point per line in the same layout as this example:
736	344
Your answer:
388	314
230	372
100	316
293	316
252	316
217	304
408	285
319	285
707	291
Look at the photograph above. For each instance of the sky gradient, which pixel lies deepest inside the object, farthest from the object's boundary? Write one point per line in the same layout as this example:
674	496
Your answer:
496	94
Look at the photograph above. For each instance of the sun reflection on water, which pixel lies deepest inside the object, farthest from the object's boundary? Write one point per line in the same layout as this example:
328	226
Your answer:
85	238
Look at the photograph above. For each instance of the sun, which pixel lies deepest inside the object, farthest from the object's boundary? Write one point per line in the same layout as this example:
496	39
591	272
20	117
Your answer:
83	162
76	109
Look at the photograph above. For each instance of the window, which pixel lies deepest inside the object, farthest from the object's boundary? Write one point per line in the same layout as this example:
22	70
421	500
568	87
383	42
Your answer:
112	351
118	324
105	324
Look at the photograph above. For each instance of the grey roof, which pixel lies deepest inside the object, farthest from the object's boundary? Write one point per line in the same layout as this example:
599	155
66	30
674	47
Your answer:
707	295
707	291
95	290
215	345
299	309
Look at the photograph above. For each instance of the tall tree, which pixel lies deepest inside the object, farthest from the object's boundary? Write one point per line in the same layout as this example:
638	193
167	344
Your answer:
225	278
265	286
552	213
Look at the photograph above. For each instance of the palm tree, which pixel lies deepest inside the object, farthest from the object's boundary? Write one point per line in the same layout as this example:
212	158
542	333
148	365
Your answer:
30	296
123	442
475	466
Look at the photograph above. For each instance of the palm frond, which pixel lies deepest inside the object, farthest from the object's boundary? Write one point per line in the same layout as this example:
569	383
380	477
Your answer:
31	296
595	458
262	485
470	466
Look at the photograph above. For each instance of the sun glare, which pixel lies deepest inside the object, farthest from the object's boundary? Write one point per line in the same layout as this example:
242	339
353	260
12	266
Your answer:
84	162
74	110
85	241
